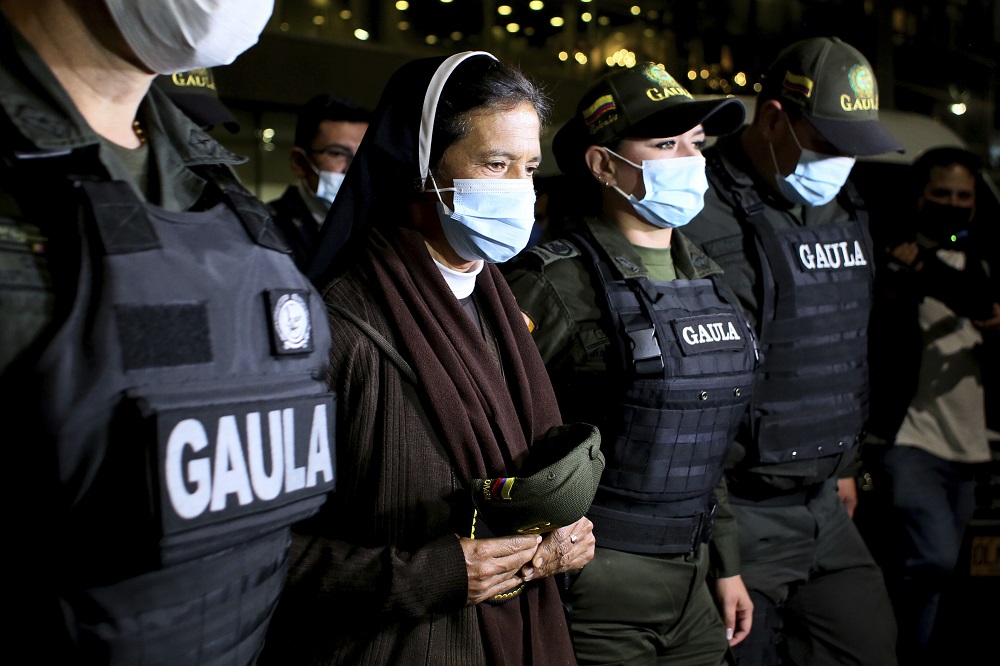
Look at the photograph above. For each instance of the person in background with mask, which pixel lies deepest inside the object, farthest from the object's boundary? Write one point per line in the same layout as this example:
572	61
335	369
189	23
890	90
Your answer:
328	131
634	323
439	385
786	226
927	435
162	428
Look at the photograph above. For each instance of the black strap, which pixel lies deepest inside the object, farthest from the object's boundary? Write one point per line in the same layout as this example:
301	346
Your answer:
637	533
253	214
120	217
643	346
384	345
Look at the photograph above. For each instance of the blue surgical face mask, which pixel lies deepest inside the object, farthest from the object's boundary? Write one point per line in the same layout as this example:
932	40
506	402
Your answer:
328	185
492	218
817	177
675	190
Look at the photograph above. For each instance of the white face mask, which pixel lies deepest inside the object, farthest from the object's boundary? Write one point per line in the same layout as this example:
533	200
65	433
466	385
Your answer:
328	185
176	35
675	190
817	177
492	219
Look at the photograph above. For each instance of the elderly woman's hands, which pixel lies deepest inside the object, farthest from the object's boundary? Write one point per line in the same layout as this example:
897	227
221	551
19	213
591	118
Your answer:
499	565
494	565
564	549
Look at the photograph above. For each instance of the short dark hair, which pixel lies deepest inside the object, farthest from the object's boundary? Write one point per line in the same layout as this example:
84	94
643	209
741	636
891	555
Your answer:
326	107
496	86
941	157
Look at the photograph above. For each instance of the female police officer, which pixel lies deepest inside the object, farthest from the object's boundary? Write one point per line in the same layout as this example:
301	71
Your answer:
640	337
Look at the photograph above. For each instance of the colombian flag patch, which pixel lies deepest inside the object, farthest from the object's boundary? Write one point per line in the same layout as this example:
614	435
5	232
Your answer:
603	105
799	84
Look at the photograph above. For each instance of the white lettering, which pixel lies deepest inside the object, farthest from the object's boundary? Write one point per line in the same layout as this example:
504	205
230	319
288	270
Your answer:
188	433
295	477
320	458
806	257
821	259
832	255
848	259
717	331
265	486
859	256
830	249
230	474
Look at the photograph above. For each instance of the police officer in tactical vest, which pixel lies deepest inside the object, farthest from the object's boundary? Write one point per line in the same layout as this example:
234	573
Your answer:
161	359
785	224
641	336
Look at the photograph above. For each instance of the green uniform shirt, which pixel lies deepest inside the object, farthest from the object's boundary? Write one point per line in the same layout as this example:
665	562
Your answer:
554	290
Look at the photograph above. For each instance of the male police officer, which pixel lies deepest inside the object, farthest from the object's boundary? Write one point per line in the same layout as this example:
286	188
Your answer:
163	420
783	223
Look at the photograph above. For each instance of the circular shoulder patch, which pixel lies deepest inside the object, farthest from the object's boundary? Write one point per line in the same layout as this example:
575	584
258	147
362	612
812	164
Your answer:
291	321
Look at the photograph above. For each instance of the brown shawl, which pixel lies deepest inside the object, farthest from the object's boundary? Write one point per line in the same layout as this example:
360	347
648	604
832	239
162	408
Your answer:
486	415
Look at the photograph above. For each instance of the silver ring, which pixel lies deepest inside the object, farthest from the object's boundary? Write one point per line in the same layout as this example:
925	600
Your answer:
572	538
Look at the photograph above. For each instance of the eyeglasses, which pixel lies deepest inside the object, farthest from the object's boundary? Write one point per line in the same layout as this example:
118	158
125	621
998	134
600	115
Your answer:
334	153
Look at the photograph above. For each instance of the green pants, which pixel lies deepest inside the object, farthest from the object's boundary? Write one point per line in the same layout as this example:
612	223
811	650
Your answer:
626	608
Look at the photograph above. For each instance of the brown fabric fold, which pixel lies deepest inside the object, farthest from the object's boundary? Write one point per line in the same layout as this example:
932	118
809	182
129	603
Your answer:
486	415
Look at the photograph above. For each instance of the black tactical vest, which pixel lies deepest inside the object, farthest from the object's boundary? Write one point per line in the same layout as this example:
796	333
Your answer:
685	358
181	394
811	395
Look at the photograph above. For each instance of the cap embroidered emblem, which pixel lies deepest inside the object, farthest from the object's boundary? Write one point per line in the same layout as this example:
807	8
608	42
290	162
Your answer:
863	84
659	75
861	81
604	104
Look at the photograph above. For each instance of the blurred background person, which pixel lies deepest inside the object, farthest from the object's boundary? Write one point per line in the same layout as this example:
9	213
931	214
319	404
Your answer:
640	335
328	131
935	298
440	385
790	232
137	364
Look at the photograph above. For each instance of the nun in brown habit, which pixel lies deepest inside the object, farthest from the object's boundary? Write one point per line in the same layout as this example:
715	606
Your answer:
438	385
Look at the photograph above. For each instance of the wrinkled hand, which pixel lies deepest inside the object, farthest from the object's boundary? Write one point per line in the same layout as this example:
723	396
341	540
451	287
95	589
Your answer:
494	565
847	491
564	549
991	324
736	606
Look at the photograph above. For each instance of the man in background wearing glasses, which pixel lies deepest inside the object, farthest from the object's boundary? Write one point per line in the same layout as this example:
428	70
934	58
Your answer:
328	131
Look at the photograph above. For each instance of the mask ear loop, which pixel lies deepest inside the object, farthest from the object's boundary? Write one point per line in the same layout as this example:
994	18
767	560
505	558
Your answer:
627	197
792	130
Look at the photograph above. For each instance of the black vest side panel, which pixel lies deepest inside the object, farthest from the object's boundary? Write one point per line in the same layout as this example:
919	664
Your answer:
689	358
182	395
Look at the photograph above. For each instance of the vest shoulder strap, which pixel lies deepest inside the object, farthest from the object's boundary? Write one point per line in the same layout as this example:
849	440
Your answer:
379	340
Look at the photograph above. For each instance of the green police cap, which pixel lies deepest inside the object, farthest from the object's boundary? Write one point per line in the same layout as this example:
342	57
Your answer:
833	85
644	101
554	487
